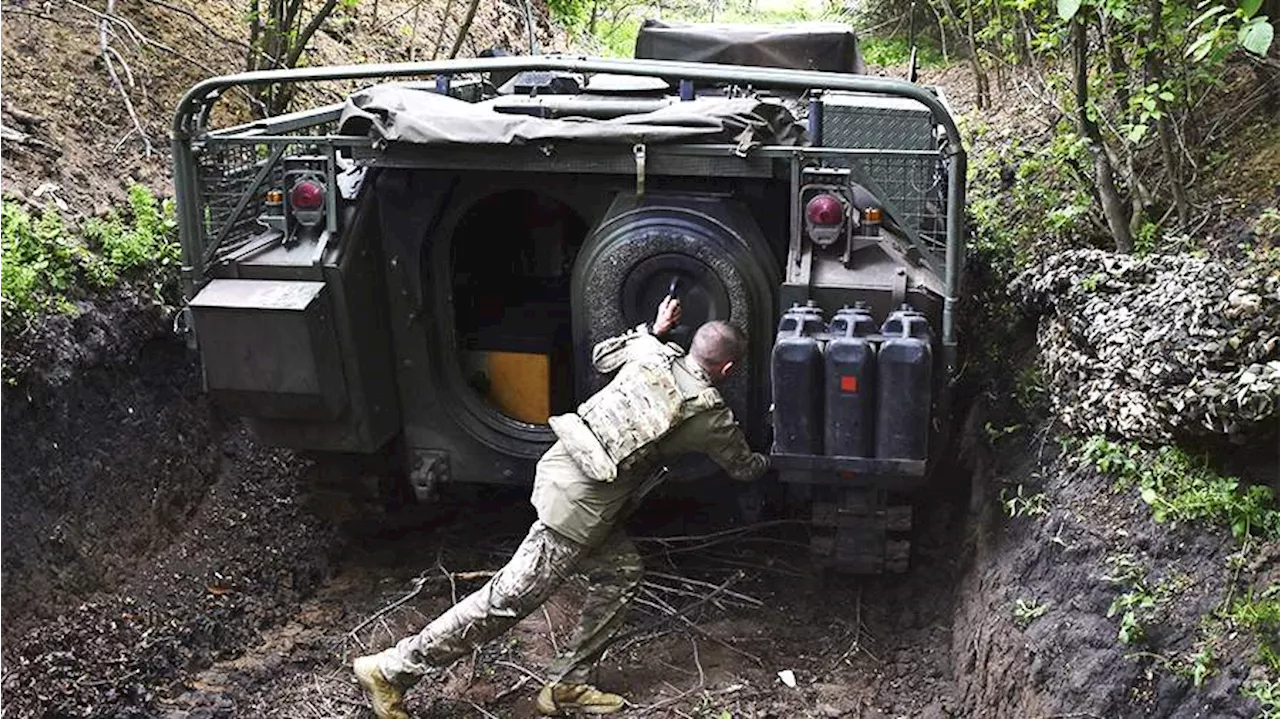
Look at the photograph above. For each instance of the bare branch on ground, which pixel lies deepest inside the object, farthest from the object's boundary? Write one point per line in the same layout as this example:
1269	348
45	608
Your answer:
107	52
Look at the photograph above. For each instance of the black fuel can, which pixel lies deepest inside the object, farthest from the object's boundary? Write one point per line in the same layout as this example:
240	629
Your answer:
905	391
850	383
796	376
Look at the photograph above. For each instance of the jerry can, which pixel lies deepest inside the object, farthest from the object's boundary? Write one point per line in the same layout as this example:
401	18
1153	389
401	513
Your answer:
905	391
796	376
850	383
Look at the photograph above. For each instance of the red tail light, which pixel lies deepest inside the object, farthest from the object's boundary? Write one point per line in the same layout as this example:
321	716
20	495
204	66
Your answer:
307	195
824	210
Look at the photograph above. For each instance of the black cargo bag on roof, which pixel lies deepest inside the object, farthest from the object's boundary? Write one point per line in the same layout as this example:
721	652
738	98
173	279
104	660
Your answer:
830	47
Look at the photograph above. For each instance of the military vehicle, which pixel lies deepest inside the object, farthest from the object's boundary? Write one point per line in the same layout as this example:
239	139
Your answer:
424	267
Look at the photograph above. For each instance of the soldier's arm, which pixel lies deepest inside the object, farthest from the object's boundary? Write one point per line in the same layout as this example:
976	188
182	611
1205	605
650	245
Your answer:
614	352
717	433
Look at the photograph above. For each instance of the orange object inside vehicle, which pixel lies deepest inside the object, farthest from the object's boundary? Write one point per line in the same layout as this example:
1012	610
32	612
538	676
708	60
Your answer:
520	385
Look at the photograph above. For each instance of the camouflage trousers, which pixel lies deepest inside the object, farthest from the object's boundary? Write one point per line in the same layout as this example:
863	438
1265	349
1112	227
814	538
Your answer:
541	563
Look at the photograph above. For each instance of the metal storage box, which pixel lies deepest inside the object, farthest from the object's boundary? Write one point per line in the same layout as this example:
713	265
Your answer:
909	186
270	349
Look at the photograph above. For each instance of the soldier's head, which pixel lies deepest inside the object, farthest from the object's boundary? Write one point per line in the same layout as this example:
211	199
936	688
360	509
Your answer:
718	347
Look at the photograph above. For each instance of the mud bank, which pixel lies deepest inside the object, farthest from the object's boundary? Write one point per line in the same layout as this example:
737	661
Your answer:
1032	631
144	535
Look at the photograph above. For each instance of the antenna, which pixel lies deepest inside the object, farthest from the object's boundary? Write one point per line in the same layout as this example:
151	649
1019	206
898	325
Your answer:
911	34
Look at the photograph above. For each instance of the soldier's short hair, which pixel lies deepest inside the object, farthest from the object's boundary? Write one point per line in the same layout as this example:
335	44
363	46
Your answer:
717	342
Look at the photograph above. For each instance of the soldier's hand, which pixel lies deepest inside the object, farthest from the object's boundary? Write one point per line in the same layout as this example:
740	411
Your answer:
668	316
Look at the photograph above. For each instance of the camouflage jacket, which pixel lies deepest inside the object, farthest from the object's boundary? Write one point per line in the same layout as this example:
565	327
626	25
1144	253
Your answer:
584	509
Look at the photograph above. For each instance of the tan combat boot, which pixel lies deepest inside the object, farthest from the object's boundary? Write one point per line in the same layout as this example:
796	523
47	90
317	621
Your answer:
556	699
387	699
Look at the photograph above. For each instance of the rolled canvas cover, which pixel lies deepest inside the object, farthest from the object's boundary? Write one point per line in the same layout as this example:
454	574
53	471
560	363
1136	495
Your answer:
829	47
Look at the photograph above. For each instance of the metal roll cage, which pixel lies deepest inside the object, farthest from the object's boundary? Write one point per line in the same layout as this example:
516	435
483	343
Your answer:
191	118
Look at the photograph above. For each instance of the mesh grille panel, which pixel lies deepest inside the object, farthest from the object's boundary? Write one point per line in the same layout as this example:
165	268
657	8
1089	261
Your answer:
226	171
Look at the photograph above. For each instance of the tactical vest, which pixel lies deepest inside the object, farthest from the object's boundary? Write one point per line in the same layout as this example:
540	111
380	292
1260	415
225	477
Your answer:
642	404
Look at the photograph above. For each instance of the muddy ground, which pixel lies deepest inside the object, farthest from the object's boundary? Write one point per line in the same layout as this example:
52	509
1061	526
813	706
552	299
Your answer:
158	563
857	648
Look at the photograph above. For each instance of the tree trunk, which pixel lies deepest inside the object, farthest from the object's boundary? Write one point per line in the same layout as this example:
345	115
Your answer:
255	30
1104	174
1154	67
444	22
979	72
464	28
979	75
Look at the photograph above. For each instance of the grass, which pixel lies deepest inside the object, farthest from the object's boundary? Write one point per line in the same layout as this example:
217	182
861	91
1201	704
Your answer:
1026	611
1180	487
47	265
893	51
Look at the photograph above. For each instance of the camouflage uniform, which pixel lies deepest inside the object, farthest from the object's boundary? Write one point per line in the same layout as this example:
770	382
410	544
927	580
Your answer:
577	531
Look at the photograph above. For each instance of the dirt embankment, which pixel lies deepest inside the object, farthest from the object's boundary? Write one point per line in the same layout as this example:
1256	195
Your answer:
144	535
1034	632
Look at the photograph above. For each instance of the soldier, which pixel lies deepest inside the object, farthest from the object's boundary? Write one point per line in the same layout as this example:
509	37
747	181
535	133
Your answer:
661	405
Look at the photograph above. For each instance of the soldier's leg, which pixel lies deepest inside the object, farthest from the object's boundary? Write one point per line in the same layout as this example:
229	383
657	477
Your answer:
614	571
537	568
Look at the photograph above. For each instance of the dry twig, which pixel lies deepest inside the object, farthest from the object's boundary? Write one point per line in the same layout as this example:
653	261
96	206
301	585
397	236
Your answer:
551	630
669	613
418	584
107	52
702	683
512	689
22	138
480	709
527	672
707	585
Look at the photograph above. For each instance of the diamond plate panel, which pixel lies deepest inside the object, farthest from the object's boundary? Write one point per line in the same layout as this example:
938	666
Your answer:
891	123
911	186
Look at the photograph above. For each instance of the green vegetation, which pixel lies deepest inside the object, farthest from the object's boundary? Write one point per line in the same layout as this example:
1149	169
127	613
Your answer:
1198	666
1143	603
1019	504
1121	83
1267	693
612	25
1260	616
144	241
41	265
1026	611
1025	194
1267	224
896	50
45	267
1029	390
1181	488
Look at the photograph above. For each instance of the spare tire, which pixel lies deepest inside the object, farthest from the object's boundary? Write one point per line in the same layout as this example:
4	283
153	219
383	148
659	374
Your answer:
726	272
